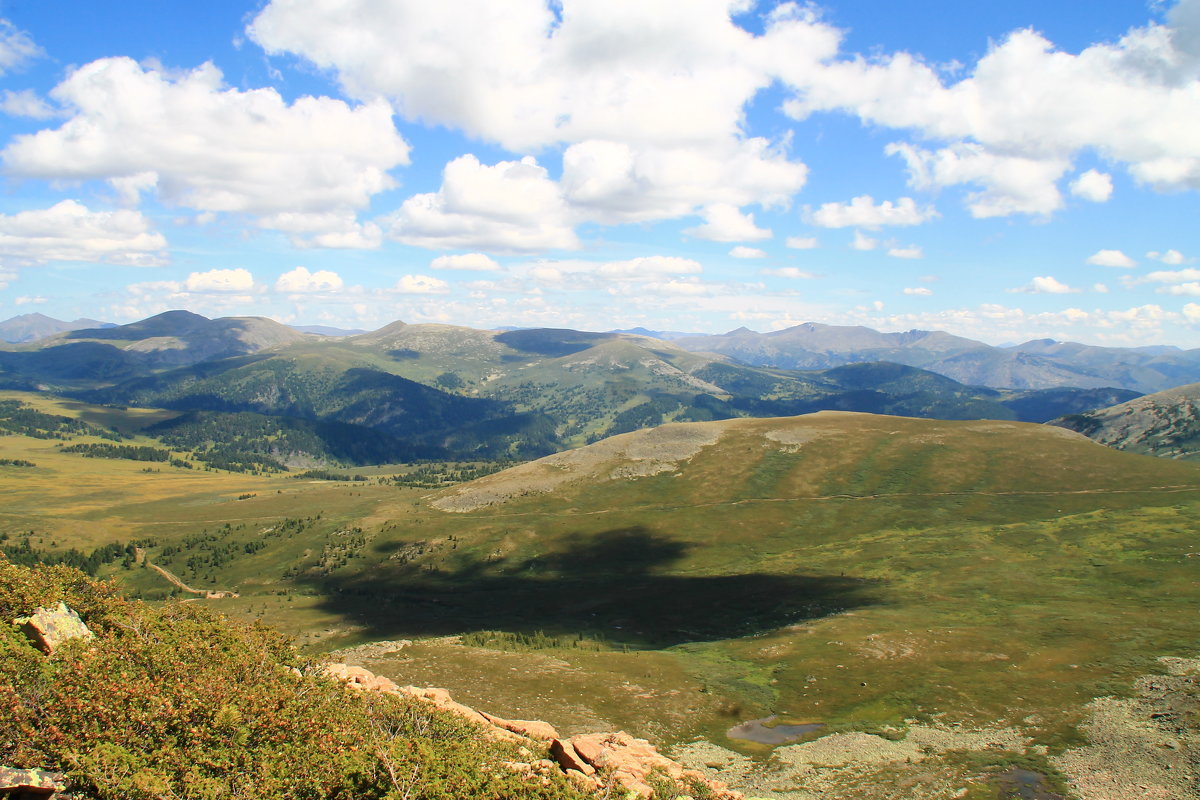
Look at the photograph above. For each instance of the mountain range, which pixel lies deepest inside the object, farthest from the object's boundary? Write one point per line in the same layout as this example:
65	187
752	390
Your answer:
440	390
1036	364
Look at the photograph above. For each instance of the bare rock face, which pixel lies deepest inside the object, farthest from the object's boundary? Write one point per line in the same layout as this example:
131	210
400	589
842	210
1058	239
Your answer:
595	762
50	628
633	761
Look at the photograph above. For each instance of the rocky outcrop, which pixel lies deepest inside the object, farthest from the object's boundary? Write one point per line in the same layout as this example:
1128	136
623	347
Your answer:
29	784
50	628
597	762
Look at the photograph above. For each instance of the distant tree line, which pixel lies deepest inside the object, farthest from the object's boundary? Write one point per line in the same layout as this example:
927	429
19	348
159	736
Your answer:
23	419
24	554
129	452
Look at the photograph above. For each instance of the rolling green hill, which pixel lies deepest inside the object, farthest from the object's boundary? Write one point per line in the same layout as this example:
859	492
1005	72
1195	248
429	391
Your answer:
1165	424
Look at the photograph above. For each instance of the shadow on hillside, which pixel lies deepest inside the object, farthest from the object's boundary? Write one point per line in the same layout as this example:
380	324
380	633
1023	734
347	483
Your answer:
610	584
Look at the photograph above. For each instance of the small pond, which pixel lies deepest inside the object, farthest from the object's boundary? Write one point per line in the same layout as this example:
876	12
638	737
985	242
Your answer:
761	731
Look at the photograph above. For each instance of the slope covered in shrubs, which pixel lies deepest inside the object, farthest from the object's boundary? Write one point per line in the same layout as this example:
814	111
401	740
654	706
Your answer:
177	702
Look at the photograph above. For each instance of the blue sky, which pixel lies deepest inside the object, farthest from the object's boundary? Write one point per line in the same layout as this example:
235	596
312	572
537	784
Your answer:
1003	171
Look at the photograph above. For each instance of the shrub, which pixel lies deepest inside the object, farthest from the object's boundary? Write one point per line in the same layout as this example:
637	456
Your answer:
179	702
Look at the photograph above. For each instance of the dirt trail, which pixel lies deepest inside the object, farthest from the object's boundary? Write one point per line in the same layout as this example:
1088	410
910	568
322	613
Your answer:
827	497
214	594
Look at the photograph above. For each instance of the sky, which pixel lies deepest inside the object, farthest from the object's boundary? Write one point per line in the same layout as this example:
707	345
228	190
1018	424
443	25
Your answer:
1002	171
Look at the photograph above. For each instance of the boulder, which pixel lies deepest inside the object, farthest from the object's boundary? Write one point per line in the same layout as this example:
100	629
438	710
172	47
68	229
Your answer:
29	784
51	628
568	759
533	728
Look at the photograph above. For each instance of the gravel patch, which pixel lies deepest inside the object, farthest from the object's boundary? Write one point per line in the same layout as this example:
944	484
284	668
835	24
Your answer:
629	455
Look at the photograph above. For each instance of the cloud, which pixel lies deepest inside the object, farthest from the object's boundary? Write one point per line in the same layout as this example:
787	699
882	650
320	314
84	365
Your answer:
29	300
648	103
1191	312
724	223
470	261
649	267
863	242
196	144
1190	289
861	212
69	231
742	251
1111	258
801	242
16	47
1012	184
788	272
511	206
1172	257
420	284
636	85
1133	101
27	104
1094	186
220	280
1171	276
301	281
613	182
679	287
528	74
1046	285
332	229
919	291
912	252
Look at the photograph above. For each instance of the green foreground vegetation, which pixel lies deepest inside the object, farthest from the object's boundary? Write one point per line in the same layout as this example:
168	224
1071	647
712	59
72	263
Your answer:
178	702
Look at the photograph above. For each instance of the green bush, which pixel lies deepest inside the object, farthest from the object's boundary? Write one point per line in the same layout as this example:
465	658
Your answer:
179	702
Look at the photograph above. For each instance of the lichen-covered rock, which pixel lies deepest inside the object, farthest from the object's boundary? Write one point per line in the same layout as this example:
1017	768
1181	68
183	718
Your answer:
593	762
29	784
50	628
533	728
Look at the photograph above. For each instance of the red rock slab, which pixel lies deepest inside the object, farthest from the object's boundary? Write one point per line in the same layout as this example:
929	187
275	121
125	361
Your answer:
568	759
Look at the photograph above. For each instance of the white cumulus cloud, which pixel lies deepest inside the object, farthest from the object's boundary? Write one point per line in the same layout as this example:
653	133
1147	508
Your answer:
863	242
69	231
478	262
237	280
1046	285
1111	258
420	284
511	206
862	212
801	242
788	272
725	223
646	267
301	281
200	145
919	291
1172	257
741	251
1093	185
912	252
